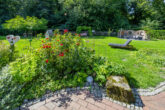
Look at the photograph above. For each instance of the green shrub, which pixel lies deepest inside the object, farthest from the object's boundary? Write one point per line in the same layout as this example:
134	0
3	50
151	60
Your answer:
10	94
30	23
60	62
84	28
103	69
156	34
24	69
4	54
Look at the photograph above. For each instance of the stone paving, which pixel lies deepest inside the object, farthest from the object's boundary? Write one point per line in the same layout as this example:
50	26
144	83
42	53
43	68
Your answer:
156	102
79	100
93	98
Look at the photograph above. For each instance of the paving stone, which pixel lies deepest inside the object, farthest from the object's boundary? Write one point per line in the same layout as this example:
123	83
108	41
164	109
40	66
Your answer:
81	99
82	102
50	106
83	108
75	105
100	104
90	100
93	107
42	108
37	105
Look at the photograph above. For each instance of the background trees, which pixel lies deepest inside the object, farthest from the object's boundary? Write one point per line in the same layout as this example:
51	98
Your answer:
99	14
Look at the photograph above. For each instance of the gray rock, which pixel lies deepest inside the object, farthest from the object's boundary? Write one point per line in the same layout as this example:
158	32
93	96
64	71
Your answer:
119	89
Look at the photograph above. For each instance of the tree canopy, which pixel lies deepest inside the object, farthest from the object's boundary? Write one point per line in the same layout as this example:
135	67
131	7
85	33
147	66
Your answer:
99	14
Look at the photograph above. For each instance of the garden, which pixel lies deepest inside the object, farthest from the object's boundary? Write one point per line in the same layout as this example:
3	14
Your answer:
34	63
67	60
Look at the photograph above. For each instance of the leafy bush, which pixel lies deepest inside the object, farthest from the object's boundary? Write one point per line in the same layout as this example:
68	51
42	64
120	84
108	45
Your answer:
60	62
30	23
10	92
156	34
84	28
103	69
4	54
23	69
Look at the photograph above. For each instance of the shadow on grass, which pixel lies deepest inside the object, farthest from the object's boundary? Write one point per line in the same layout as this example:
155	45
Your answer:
130	49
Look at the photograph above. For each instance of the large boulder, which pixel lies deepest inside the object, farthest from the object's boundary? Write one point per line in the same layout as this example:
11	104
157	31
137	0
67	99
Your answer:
117	88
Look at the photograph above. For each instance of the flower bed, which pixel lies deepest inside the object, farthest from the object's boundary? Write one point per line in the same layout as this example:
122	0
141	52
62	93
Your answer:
60	62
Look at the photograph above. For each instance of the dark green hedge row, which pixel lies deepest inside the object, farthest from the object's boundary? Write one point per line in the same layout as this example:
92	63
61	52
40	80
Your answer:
156	34
4	32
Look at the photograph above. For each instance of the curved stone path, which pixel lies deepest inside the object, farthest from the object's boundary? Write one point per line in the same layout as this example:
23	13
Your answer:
84	100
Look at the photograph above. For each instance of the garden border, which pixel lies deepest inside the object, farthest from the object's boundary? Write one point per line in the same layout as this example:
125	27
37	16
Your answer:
152	90
94	88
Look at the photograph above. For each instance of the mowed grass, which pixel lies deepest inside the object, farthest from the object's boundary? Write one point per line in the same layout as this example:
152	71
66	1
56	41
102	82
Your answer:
144	65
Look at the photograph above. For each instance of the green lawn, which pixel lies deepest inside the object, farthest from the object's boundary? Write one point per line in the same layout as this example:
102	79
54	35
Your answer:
145	65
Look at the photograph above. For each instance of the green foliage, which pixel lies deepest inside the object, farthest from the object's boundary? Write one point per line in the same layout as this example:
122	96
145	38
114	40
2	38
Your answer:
30	23
4	54
149	25
64	14
84	28
40	35
141	72
24	69
109	32
58	63
156	34
10	94
103	69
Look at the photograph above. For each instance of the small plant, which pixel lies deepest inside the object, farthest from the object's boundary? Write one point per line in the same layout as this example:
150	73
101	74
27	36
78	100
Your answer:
56	31
109	32
39	36
84	28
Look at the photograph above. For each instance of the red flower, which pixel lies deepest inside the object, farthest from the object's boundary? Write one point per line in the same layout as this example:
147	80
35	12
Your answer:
47	61
43	46
58	40
61	54
76	34
61	44
79	35
47	46
42	41
47	38
65	31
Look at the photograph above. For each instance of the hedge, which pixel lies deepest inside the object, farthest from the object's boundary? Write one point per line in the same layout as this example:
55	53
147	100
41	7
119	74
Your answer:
156	34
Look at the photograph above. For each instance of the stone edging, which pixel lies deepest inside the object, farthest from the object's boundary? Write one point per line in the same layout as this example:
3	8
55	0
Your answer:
151	91
95	90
